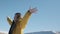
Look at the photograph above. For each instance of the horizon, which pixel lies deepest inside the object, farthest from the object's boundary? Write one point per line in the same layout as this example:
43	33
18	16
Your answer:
28	32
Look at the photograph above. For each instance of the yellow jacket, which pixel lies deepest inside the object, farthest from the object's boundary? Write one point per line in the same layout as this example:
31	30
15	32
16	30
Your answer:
22	23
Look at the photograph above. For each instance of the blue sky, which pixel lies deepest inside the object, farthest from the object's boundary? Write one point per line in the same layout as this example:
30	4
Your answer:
46	18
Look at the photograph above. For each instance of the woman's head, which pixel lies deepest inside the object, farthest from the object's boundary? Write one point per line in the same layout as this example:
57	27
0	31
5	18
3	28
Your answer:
17	16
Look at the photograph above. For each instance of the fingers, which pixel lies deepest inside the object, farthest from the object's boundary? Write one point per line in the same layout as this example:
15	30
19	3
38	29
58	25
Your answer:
33	10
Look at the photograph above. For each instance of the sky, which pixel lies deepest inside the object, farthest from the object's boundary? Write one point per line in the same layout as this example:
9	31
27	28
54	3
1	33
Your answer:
47	17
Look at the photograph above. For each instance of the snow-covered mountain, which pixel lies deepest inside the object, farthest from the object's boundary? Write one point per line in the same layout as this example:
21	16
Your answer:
42	32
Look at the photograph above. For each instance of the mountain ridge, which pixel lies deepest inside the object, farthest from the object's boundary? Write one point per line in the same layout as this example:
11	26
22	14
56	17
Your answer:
40	32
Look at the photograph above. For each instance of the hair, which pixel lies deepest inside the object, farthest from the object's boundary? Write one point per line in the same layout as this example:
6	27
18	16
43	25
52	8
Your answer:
19	14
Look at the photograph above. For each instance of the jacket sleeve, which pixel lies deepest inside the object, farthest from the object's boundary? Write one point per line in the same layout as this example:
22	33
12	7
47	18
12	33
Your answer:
25	19
9	20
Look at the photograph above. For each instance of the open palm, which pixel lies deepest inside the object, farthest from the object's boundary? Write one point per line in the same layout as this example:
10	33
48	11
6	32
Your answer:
33	10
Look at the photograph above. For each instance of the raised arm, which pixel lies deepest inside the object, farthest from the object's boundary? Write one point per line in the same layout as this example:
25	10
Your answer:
27	16
9	20
25	19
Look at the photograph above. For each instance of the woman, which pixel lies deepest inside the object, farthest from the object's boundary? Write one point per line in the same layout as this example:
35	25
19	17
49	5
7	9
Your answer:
18	24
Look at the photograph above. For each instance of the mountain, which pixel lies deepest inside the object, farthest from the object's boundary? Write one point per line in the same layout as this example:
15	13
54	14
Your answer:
3	32
42	32
57	32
